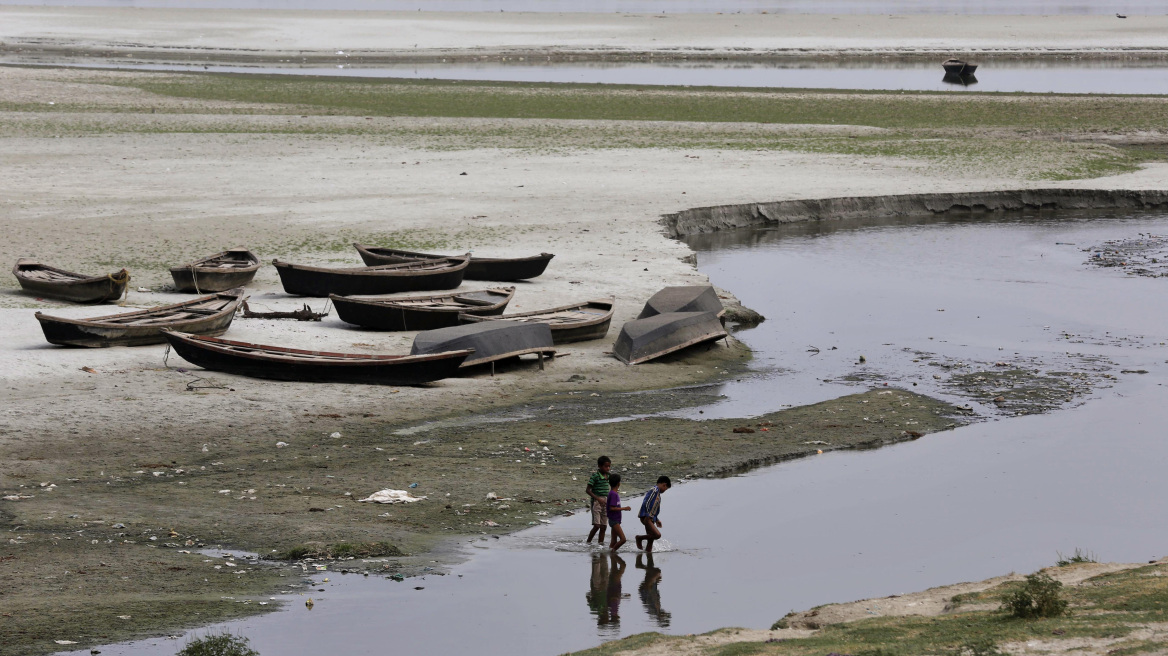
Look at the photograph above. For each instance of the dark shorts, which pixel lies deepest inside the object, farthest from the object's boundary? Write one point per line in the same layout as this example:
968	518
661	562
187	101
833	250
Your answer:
613	522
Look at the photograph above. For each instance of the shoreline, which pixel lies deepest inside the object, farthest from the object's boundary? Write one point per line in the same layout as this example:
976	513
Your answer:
335	37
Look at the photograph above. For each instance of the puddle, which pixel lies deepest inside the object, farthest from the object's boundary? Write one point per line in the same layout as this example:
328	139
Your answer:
1001	7
1107	77
1001	495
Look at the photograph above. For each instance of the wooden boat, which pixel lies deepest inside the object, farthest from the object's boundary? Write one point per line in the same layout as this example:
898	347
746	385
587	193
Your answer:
279	363
958	67
569	323
642	340
413	276
499	269
420	312
491	341
45	280
207	315
215	273
690	298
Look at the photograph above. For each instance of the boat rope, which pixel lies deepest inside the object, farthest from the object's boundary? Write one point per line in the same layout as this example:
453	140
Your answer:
120	278
195	279
166	356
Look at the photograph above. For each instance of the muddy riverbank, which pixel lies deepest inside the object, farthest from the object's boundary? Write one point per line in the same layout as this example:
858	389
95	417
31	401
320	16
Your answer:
114	523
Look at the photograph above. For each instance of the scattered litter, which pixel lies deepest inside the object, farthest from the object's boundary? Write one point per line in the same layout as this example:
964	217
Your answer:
18	497
743	429
413	485
65	642
123	617
487	522
492	495
281	445
397	577
89	370
335	435
392	496
224	491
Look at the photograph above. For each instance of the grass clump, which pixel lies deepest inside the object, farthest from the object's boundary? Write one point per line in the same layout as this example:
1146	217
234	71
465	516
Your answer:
224	644
1080	556
1040	596
339	550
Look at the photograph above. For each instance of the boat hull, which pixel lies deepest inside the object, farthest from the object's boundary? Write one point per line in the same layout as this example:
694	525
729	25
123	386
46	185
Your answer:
99	334
275	364
647	339
82	289
497	269
203	277
320	282
567	332
959	68
689	298
388	316
491	341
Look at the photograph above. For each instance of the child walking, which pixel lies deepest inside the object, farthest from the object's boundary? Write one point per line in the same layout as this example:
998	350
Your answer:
650	508
598	489
614	512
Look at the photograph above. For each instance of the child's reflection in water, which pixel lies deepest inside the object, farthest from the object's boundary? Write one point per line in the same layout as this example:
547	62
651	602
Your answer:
650	595
604	593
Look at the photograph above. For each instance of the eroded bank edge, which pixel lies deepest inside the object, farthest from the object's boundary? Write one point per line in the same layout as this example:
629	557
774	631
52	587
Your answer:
701	220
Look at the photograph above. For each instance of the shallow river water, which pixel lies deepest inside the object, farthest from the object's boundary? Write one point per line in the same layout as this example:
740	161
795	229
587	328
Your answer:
1105	77
1000	495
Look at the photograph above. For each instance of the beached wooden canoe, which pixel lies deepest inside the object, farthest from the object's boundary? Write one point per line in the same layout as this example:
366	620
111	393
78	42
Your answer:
642	340
689	298
491	341
413	276
499	269
420	312
216	273
207	315
569	323
279	363
45	280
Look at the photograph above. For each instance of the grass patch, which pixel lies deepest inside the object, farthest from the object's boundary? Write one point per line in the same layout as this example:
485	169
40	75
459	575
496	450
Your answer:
339	550
224	644
1079	556
1040	596
446	98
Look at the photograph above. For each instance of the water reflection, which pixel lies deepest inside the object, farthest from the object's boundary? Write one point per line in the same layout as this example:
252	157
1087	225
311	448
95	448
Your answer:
649	592
604	591
963	80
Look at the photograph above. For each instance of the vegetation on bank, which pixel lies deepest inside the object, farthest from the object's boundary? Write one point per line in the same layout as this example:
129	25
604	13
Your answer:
1118	613
1029	136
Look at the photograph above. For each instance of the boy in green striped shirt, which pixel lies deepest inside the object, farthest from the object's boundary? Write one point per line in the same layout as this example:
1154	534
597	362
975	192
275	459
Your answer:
597	489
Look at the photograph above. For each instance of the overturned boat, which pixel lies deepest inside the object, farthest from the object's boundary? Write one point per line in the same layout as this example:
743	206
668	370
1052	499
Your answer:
207	315
645	339
215	273
491	340
413	276
688	298
578	322
498	269
420	312
279	363
45	280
